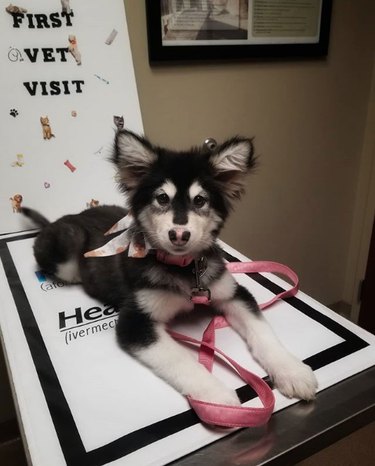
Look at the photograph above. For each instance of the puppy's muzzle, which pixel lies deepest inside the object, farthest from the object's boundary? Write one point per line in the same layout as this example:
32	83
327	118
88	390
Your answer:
179	236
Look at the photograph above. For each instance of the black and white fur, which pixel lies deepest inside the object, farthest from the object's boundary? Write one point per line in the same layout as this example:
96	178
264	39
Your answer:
180	201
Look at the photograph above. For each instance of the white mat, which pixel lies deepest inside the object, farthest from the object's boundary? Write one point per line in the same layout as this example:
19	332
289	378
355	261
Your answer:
84	401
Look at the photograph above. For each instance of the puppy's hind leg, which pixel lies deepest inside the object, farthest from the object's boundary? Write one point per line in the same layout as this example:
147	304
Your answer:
68	271
58	248
291	376
153	346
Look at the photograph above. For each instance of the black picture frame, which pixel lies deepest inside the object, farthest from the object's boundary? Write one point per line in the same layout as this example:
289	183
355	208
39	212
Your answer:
160	53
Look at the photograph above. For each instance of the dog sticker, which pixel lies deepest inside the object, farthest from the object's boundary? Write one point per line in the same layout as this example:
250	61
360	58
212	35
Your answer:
47	131
11	9
16	201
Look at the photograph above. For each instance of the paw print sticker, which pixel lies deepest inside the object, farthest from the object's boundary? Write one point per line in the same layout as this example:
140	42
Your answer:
13	112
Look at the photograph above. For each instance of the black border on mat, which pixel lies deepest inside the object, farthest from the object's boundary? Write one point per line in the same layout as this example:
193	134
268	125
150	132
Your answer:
66	429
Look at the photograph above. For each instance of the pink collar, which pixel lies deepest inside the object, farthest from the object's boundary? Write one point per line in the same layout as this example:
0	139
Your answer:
170	259
198	295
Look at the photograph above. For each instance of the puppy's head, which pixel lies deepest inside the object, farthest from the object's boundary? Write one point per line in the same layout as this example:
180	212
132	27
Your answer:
180	200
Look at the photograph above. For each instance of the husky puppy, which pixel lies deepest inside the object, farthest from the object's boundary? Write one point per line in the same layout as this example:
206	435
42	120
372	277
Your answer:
179	201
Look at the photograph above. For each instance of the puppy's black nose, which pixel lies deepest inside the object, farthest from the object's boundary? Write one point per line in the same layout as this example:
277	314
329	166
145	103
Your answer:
179	236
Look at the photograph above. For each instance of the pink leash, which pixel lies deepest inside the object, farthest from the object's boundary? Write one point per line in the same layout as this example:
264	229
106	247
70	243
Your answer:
237	416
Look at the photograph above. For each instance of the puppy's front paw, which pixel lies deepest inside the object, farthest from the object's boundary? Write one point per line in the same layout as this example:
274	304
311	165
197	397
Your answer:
294	379
218	395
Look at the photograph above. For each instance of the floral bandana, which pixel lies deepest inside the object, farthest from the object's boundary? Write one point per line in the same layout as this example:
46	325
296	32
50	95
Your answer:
136	245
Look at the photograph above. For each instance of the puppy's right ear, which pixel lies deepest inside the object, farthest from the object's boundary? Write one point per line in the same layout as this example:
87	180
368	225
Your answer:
133	156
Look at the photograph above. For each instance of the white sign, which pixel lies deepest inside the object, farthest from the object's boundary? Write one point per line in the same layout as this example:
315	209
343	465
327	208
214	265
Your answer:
67	84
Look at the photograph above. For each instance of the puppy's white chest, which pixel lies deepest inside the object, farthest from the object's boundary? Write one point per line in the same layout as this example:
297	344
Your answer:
163	305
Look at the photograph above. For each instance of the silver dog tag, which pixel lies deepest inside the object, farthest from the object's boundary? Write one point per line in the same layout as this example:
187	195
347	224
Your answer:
210	143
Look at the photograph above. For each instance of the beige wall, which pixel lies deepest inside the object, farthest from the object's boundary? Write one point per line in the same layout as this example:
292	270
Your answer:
364	212
308	119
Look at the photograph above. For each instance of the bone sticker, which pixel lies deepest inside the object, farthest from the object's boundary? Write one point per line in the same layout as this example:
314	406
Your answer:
71	167
111	37
73	49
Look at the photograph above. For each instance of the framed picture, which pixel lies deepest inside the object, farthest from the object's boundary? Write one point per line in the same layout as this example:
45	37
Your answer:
192	30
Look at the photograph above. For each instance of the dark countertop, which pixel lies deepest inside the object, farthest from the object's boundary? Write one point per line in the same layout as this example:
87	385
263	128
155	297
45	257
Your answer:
298	431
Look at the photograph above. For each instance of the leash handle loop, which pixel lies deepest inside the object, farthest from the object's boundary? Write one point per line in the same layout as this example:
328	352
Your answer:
237	416
232	416
268	266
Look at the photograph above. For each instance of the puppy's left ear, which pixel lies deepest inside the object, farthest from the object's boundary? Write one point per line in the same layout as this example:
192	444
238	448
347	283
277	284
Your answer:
134	156
231	161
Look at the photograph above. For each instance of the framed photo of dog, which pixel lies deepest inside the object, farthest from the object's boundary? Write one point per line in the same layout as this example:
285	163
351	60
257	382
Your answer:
195	30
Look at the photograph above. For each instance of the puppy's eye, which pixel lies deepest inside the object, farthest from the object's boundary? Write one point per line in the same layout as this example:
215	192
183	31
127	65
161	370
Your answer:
163	199
199	201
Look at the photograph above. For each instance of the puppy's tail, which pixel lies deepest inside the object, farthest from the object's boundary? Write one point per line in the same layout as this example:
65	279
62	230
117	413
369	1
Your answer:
35	216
